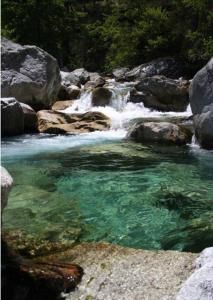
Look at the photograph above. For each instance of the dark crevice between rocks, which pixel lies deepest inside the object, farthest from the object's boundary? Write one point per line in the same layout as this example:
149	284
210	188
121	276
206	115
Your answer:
31	279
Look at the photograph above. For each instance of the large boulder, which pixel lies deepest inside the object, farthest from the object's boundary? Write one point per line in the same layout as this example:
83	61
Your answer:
12	117
161	132
60	123
29	74
201	101
199	285
101	96
166	66
161	93
6	185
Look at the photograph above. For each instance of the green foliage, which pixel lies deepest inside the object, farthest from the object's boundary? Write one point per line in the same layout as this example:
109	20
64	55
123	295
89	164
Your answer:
101	35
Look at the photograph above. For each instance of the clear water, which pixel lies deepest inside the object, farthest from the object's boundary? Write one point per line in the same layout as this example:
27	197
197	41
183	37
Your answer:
96	187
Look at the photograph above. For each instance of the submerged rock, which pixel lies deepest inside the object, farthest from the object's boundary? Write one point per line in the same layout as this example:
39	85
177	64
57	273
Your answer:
101	96
58	122
29	74
201	101
199	285
161	93
12	117
163	132
6	185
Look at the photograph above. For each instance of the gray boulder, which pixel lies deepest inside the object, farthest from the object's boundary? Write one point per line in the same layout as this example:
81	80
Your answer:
6	185
95	81
159	132
12	117
161	93
166	66
201	101
69	78
199	285
29	74
120	74
82	75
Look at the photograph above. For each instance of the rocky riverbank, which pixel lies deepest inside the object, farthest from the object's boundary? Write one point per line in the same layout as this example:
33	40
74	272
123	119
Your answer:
39	98
156	85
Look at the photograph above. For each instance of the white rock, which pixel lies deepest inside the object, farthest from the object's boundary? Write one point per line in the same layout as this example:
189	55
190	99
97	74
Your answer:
6	185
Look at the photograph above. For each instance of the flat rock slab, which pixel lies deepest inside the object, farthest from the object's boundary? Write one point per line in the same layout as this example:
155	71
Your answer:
112	272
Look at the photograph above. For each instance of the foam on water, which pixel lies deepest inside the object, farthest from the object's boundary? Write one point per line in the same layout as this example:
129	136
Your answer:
28	145
120	111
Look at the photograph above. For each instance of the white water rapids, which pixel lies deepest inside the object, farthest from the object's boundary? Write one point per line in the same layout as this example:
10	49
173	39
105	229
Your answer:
120	111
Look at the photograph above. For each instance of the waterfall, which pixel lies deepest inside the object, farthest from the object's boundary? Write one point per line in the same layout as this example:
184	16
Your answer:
120	111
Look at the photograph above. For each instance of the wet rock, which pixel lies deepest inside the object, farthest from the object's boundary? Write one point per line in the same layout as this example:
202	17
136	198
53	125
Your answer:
120	74
6	185
61	105
101	96
12	117
199	285
29	74
60	123
143	97
161	93
95	81
69	92
167	66
25	279
30	118
201	101
163	132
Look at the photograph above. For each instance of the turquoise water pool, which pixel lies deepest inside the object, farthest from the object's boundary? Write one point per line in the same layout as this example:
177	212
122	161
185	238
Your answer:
94	189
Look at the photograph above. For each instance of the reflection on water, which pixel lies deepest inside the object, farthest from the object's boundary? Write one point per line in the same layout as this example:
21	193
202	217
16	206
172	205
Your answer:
125	193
